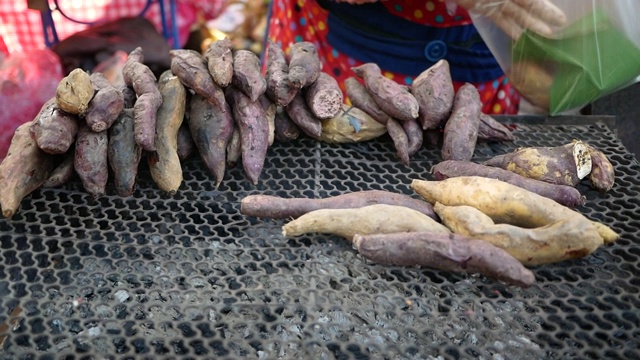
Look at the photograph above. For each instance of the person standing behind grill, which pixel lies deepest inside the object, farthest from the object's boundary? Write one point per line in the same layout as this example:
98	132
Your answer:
405	37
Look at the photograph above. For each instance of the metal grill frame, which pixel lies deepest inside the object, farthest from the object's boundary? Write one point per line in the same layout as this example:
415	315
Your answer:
186	277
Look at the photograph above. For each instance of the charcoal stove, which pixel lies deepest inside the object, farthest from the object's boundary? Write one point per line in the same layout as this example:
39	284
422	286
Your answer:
188	277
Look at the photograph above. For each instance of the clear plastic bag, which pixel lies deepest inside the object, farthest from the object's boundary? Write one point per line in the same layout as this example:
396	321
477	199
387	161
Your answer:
595	54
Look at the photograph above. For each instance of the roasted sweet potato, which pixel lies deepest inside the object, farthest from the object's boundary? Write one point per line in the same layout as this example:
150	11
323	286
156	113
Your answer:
502	202
191	68
301	115
392	97
366	220
138	76
164	163
247	75
124	153
74	92
433	89
185	142
279	89
491	129
461	129
63	172
219	58
106	105
399	138
565	239
360	98
415	135
602	175
448	252
562	194
254	132
284	128
129	95
211	129
270	108
304	64
53	130
275	207
234	148
90	160
533	81
324	97
349	126
565	165
25	168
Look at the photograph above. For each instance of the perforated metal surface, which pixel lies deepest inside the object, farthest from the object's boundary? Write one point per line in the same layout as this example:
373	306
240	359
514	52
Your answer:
190	277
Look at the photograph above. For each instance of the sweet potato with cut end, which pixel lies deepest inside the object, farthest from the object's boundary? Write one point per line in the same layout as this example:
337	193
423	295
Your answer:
392	97
254	132
24	169
279	89
366	220
565	239
501	201
275	207
124	153
491	129
399	138
433	89
461	129
301	115
53	130
91	161
164	163
106	105
219	58
63	172
360	98
138	76
247	75
304	64
284	128
562	194
211	129
564	165
415	135
602	175
448	252
74	92
191	68
349	126
324	97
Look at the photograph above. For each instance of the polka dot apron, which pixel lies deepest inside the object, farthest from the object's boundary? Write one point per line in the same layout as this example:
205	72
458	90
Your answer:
404	37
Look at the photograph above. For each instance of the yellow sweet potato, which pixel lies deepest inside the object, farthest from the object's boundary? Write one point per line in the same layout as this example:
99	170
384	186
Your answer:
74	92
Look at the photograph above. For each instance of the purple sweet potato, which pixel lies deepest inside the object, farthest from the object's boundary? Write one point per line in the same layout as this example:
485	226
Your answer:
53	130
399	138
138	76
270	108
490	129
63	172
275	207
250	118
448	252
304	64
415	135
433	89
562	194
247	75
191	68
461	130
106	105
285	129
324	97
392	97
556	165
211	129
360	98
301	115
279	89
602	175
25	168
124	153
219	57
90	160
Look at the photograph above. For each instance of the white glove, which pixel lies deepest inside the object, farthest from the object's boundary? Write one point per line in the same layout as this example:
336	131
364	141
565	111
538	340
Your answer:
516	16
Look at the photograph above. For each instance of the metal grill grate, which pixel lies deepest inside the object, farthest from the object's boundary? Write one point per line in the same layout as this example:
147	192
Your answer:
188	276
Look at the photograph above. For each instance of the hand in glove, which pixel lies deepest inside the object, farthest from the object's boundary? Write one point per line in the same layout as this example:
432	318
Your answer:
516	16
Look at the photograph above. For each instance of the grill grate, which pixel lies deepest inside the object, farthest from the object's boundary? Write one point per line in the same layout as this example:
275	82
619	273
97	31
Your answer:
188	276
